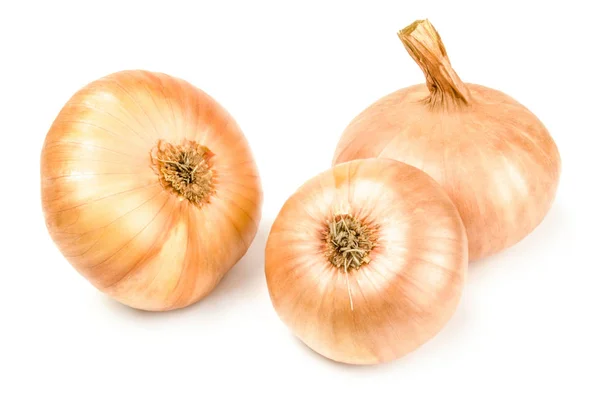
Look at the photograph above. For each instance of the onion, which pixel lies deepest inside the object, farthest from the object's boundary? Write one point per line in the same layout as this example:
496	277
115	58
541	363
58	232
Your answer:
494	158
366	261
149	189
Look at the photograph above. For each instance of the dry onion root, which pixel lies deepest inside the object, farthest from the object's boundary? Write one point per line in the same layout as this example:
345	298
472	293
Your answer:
149	189
493	157
367	261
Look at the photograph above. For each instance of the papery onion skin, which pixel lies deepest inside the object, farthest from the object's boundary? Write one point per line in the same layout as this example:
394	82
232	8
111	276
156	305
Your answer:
494	157
106	210
397	301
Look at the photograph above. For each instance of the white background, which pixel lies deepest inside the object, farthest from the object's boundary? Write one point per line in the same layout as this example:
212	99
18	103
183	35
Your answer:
293	75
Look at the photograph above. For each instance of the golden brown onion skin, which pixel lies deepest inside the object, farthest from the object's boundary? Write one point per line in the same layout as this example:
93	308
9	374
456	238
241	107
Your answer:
109	215
402	297
494	158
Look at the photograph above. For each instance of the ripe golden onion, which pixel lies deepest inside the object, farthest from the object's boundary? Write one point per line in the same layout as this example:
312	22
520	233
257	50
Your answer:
494	158
149	189
367	261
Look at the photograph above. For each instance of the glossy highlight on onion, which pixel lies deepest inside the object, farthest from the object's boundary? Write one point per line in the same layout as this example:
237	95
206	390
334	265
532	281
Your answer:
149	189
495	159
367	261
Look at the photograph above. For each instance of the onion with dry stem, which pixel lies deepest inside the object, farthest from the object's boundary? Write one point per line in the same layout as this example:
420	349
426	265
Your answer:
493	157
367	261
149	189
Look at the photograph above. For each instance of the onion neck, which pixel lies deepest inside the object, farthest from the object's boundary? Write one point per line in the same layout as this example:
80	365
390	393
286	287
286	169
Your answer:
425	46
